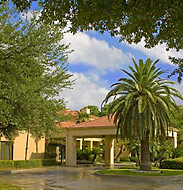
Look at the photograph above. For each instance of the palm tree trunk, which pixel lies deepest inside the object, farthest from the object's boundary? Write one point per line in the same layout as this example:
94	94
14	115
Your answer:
145	154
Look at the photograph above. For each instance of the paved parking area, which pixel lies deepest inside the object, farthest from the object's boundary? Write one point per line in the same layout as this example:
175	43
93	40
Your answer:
84	178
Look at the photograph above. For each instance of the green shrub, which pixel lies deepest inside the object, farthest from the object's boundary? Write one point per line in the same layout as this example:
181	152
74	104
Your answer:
27	163
49	162
97	154
91	155
133	159
124	159
79	154
84	154
176	163
177	152
6	164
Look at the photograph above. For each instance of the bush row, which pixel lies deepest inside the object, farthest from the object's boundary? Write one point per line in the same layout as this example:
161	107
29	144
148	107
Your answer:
90	155
26	163
128	159
176	163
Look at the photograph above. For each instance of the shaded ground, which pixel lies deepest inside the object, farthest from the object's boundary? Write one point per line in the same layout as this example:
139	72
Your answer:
84	178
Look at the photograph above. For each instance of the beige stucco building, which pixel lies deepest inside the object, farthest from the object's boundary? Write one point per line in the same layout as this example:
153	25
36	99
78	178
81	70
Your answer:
71	138
99	128
15	150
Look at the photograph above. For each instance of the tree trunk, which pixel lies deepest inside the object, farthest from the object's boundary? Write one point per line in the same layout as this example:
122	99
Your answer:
94	158
145	154
83	144
36	142
26	146
138	157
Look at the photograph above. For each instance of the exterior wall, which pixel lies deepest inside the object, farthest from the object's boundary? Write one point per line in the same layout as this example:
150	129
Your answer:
6	150
20	144
173	138
85	110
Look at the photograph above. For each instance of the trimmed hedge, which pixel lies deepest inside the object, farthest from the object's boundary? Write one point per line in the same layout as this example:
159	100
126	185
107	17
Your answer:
176	163
6	164
49	162
27	163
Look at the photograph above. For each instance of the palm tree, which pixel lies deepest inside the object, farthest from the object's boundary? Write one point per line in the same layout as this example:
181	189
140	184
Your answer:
141	105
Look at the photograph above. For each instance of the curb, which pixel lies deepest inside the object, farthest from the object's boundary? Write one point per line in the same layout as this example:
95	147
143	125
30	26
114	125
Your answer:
17	171
6	172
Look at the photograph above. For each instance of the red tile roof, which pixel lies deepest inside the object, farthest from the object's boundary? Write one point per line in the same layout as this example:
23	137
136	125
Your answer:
93	117
100	122
65	124
73	113
173	129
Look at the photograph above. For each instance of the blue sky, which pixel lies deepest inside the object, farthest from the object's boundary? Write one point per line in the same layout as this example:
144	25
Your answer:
96	63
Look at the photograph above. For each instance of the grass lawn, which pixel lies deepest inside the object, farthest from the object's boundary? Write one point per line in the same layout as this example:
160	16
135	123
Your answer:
165	172
8	187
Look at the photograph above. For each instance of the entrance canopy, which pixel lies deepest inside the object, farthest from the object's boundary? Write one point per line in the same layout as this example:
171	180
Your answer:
95	128
101	127
98	128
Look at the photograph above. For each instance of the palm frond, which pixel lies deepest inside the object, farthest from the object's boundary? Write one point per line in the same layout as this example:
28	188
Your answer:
142	102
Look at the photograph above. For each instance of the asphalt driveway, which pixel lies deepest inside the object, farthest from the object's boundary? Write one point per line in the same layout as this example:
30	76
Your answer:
84	178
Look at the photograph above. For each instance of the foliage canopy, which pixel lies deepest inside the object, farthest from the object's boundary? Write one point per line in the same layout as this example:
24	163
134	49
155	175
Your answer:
133	20
32	73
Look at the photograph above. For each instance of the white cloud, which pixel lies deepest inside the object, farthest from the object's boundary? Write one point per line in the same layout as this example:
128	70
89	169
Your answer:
179	87
158	52
86	91
96	53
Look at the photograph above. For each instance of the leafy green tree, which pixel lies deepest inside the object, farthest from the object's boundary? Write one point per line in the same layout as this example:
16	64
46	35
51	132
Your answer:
93	110
177	121
156	22
177	152
82	117
134	148
32	73
121	146
142	104
161	150
105	110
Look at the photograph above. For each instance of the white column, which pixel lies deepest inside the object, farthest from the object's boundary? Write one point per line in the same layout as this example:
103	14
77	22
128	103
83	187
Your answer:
80	143
91	144
109	150
71	151
175	139
57	153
